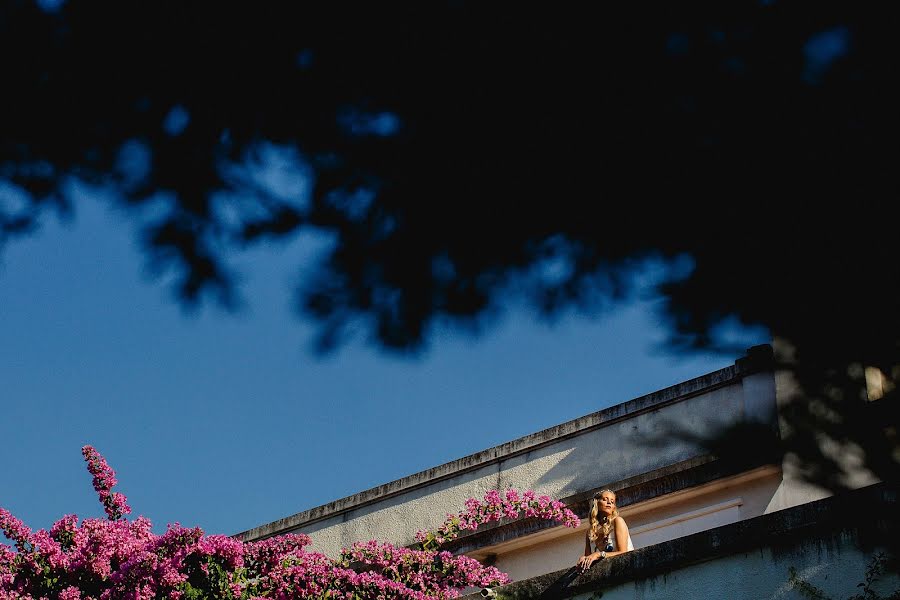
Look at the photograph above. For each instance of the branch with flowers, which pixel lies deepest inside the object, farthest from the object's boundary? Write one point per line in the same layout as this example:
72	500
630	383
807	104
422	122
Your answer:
114	503
493	508
114	558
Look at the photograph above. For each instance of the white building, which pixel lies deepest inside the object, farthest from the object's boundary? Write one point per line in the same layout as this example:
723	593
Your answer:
667	486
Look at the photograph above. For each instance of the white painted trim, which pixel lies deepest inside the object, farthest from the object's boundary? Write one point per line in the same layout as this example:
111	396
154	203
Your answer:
694	514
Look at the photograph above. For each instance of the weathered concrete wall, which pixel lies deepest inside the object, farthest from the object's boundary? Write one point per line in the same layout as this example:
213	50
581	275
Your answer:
570	459
834	567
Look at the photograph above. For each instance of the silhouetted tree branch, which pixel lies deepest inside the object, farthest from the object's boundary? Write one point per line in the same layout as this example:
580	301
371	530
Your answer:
465	154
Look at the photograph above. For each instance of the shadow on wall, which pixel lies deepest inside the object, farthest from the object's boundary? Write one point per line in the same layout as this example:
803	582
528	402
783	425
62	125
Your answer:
641	443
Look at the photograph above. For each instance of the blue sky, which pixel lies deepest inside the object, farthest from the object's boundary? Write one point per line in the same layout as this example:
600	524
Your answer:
228	421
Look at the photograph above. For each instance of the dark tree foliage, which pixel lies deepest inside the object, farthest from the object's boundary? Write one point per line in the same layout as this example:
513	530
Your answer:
463	153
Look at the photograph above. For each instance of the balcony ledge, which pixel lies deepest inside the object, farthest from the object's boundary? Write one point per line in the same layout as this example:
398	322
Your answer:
832	517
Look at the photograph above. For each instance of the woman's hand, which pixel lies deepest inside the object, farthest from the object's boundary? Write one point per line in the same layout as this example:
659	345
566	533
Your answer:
587	560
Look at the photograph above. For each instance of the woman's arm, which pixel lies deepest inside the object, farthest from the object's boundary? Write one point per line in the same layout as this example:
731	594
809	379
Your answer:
589	557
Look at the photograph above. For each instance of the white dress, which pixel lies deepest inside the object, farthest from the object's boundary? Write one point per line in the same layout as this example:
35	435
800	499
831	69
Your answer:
612	542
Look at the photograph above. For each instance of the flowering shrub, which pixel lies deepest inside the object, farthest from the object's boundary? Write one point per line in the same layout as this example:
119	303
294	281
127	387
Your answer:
116	559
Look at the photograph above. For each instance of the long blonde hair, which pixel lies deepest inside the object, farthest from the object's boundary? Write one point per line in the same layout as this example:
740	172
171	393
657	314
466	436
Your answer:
601	528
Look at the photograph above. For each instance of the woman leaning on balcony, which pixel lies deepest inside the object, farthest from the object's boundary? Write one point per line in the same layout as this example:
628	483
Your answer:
608	534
